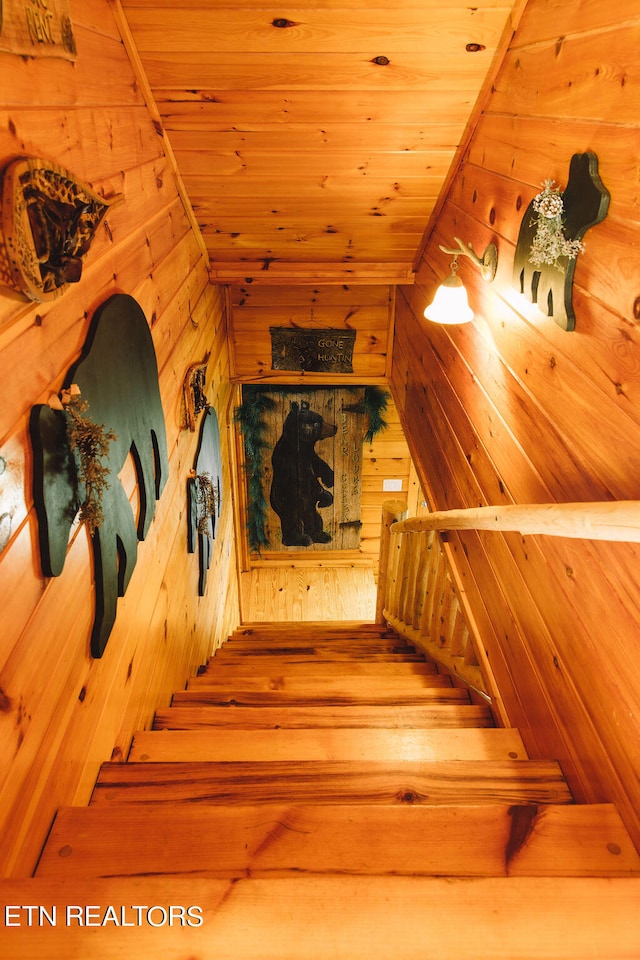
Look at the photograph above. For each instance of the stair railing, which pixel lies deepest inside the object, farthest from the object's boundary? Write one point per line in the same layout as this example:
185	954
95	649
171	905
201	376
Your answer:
418	591
418	598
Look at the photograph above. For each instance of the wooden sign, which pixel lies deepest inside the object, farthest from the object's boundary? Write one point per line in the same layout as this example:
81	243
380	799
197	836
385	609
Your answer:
316	351
37	28
311	469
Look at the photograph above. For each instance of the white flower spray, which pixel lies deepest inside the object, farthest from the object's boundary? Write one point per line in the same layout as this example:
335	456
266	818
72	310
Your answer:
550	243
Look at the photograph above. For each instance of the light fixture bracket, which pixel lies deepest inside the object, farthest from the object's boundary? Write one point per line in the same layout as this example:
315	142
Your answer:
488	262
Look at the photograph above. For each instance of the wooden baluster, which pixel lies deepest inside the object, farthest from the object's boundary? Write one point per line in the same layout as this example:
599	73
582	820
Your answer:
392	511
426	543
409	593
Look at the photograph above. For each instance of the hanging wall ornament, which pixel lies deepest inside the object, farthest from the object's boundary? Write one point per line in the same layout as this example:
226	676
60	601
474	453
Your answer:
193	392
550	238
49	220
204	499
117	379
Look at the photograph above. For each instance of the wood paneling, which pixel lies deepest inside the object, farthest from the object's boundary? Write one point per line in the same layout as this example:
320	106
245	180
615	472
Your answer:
61	712
458	918
514	409
256	308
231	841
314	141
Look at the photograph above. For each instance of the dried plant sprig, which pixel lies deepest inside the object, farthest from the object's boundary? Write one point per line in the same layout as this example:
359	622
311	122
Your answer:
550	243
206	500
90	442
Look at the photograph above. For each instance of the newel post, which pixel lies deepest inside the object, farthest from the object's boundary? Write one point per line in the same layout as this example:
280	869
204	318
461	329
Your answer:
392	511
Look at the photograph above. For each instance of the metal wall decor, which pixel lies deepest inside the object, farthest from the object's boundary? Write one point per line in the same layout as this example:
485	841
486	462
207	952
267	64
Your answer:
117	375
204	495
314	351
546	278
49	220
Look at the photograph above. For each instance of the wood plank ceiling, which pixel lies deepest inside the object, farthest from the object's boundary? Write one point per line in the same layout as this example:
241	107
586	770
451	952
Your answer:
314	138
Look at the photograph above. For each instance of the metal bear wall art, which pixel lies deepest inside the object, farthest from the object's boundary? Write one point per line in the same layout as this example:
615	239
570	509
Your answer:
118	377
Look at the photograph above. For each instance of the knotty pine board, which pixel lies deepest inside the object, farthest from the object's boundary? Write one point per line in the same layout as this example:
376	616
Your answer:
364	918
64	712
221	842
195	716
279	745
460	781
517	409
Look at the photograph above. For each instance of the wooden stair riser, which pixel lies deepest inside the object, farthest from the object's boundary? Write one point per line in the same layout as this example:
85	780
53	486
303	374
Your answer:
223	671
328	630
303	667
462	782
285	698
194	717
322	652
474	841
383	644
364	918
385	688
178	746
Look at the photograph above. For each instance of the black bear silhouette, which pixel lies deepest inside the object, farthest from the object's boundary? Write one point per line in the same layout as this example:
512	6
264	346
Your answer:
586	202
296	490
118	377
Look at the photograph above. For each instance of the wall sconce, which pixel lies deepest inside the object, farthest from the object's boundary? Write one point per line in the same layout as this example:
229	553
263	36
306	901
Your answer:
450	304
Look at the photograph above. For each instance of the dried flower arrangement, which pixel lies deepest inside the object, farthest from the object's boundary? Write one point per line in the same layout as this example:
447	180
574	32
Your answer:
207	501
89	442
550	243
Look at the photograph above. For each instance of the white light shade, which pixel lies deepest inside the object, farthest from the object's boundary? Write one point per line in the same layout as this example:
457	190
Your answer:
450	304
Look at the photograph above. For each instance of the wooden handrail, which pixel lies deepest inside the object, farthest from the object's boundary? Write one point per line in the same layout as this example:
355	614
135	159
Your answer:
617	520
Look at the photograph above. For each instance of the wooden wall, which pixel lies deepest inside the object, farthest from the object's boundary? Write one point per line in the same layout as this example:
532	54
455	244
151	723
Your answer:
256	307
62	713
512	408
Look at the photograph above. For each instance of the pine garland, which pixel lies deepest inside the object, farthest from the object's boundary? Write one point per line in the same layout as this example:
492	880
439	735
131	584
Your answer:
250	417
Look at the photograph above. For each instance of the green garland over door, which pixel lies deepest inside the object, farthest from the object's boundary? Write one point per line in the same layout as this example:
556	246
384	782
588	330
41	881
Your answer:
303	463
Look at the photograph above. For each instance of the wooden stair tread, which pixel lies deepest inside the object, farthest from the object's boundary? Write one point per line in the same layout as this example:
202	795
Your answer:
460	781
193	716
326	744
359	918
239	841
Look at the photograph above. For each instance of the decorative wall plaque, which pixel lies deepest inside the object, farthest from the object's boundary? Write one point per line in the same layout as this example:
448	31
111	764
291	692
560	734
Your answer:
583	203
49	220
37	28
193	392
303	450
315	351
204	495
118	377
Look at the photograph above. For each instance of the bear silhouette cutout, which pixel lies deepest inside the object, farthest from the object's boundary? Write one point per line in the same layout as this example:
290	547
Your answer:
301	477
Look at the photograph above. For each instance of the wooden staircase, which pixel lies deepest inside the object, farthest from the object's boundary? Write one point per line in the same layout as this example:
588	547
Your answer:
320	791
